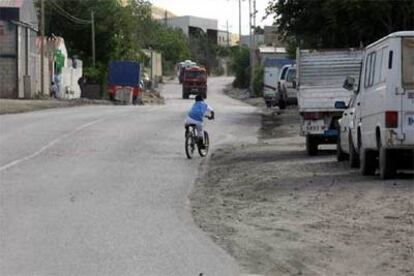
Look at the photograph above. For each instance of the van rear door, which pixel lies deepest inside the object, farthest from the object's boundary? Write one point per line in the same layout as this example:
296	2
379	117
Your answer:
407	101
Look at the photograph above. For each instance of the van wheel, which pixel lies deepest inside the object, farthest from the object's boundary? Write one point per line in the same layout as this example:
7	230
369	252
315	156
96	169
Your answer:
367	161
311	145
340	154
353	154
386	164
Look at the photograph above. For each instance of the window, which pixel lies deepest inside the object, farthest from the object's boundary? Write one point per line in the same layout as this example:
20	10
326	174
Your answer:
291	75
378	67
390	60
370	70
408	61
384	66
283	75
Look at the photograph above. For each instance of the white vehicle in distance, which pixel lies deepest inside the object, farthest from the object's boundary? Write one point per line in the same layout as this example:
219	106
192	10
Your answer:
345	149
385	110
286	87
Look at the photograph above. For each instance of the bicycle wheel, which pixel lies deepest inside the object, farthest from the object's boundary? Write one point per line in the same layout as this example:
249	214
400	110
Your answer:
189	144
203	151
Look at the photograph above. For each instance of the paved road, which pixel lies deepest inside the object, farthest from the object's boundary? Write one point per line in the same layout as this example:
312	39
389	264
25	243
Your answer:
102	190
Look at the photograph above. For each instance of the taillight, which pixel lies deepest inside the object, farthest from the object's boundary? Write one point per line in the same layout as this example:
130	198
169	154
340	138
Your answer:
313	115
391	119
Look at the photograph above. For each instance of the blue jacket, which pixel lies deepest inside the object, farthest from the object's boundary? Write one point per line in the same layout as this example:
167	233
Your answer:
198	111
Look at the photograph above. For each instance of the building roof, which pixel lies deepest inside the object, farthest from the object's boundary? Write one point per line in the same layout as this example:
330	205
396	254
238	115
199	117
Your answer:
11	3
22	11
270	49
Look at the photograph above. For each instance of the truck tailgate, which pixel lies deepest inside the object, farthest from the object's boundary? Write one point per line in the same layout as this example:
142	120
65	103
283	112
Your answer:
321	74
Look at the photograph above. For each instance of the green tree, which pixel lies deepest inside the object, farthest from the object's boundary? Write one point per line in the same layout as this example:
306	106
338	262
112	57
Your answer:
340	23
240	65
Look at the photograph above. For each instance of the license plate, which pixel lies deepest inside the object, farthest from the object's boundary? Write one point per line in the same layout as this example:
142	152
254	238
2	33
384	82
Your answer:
314	126
194	90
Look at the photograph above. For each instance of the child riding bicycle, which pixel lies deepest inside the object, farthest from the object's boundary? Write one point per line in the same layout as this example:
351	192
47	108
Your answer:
196	116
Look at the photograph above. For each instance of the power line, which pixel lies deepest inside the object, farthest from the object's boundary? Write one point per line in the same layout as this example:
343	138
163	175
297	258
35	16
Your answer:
69	16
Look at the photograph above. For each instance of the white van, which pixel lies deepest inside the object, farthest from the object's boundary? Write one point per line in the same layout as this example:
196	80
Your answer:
385	111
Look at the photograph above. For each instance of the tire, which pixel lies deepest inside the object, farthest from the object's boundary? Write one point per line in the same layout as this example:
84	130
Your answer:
203	152
353	154
185	94
190	145
311	145
282	104
204	95
387	168
340	154
268	104
367	161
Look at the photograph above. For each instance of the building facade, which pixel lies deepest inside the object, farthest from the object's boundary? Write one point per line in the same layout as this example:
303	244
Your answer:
18	66
191	25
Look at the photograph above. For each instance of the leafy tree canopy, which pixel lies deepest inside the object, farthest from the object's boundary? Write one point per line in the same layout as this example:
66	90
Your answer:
340	23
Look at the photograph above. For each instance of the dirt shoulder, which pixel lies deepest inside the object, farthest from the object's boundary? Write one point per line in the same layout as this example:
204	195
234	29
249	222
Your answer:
19	106
280	212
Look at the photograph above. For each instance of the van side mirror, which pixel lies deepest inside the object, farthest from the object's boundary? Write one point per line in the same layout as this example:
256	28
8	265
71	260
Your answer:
340	105
349	83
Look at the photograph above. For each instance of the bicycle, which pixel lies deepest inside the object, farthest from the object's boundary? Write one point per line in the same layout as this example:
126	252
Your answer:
191	141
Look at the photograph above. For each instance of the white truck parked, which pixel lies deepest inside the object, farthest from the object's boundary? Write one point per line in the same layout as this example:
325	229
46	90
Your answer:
385	108
320	77
272	69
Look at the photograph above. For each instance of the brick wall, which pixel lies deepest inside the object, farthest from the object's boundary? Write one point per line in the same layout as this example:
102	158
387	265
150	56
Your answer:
8	65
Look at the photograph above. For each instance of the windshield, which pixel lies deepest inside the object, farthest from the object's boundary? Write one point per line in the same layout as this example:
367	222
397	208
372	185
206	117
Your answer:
283	74
408	61
291	75
194	74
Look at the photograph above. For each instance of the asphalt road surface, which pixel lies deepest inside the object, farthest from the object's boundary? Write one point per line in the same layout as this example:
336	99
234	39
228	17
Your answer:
102	190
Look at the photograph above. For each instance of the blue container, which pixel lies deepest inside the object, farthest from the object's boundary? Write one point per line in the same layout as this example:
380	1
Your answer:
124	73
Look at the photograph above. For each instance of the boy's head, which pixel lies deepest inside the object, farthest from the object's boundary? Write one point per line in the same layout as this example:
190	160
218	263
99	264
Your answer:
198	98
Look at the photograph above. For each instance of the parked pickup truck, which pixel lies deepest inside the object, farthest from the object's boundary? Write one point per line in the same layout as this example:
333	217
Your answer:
271	73
286	87
384	110
124	83
320	77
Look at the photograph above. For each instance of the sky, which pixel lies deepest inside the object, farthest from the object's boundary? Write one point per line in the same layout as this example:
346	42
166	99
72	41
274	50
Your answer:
222	10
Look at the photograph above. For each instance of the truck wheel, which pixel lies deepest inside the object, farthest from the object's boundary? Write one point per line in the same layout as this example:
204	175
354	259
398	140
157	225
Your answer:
367	161
185	94
340	154
282	104
204	95
353	155
386	164
268	104
311	145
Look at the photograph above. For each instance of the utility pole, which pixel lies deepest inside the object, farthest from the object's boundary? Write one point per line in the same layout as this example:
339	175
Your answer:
42	46
93	37
251	49
228	34
240	22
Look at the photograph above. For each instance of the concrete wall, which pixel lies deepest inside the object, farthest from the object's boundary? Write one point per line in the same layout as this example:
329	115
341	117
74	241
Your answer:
17	61
223	38
8	60
37	75
184	22
69	87
180	22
